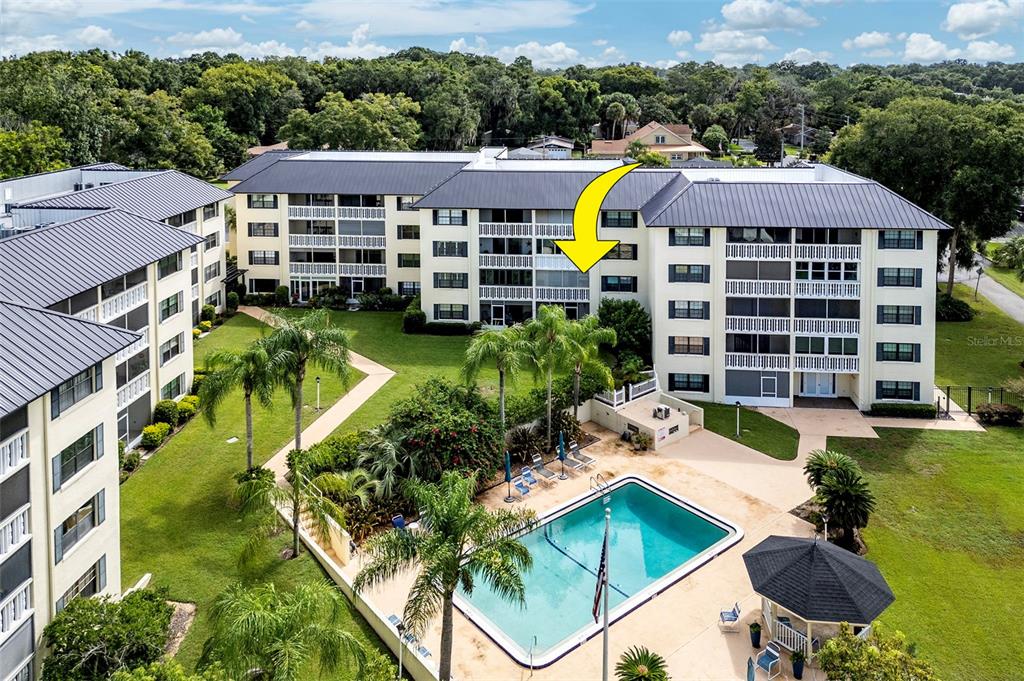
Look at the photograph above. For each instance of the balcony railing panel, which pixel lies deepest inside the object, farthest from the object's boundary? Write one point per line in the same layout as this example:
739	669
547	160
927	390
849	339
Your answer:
827	289
826	251
554	262
755	360
554	230
757	324
14	531
312	212
90	314
123	302
13	453
136	347
15	609
318	269
506	229
843	364
563	295
829	327
758	251
504	260
357	213
758	287
520	293
191	227
313	240
353	269
352	241
132	390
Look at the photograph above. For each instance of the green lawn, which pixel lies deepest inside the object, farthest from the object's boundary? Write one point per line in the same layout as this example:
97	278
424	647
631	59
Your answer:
982	352
948	535
1004	275
757	430
175	519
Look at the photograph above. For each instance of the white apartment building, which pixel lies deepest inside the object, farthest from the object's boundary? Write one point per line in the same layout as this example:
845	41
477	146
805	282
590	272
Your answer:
763	284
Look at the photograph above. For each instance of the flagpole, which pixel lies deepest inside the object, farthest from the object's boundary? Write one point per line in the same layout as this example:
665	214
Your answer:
607	526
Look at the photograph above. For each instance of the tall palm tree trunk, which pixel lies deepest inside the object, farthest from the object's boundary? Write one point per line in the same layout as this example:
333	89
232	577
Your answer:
248	428
501	401
300	377
295	512
576	392
549	409
444	672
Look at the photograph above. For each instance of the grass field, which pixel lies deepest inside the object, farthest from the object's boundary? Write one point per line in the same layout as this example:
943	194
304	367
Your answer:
982	352
176	522
757	431
1003	275
948	535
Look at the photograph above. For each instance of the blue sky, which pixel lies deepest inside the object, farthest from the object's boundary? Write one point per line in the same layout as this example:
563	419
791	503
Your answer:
553	33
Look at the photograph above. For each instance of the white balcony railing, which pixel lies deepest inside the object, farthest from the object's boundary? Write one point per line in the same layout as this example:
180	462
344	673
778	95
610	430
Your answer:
829	327
758	251
313	240
317	269
630	391
826	252
124	301
361	241
843	364
14	531
506	229
757	324
827	289
563	295
755	360
133	389
504	260
193	261
192	227
554	230
554	262
357	213
354	269
757	287
195	291
311	212
506	293
13	453
136	347
15	609
90	314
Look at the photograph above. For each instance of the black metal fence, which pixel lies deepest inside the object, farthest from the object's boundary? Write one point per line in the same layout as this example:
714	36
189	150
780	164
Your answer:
969	397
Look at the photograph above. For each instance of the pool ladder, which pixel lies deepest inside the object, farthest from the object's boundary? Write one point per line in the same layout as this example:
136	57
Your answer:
600	485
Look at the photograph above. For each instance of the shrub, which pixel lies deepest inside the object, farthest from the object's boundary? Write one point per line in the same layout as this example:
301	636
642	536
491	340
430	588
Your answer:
205	326
414	319
640	664
166	411
999	414
131	461
196	333
642	441
903	410
208	313
525	442
256	473
186	410
189	399
565	422
338	453
197	381
847	656
232	301
170	670
451	328
950	309
384	300
120	453
154	434
822	462
282	296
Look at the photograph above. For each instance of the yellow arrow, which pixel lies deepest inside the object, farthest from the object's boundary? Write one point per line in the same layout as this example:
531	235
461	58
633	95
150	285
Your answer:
586	249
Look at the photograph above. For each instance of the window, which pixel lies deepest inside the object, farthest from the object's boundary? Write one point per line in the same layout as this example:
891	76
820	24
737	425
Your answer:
810	345
212	241
173	388
75	389
659	139
408	288
447	216
898	352
262	200
77	456
408	259
262	229
170	349
697	273
842	346
168	265
405	202
264	258
689	309
618	284
77	525
618	218
688	345
899	276
182	219
170	306
408	231
211	271
688	382
689	236
446	311
899	314
451	249
91	583
451	280
897	390
900	238
213	299
211	210
621	251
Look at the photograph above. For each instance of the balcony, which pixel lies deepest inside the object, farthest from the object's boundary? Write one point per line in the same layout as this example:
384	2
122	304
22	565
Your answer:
192	227
513	229
132	390
353	269
555	262
362	241
14	531
123	302
554	230
758	287
553	294
357	213
136	347
827	327
509	261
311	212
312	241
756	360
316	269
15	609
757	324
826	252
758	251
91	314
843	364
193	261
827	289
510	293
13	453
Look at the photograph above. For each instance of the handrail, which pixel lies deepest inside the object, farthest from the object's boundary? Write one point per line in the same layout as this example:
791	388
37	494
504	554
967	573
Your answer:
597	482
533	645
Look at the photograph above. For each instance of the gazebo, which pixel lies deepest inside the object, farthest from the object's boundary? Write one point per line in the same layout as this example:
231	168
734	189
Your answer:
816	582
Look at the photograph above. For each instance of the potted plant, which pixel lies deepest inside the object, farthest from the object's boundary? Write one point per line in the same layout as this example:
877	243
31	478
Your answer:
798	659
755	634
641	441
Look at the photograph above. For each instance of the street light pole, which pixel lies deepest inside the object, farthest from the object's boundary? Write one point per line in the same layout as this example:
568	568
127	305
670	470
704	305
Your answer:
737	419
318	393
401	647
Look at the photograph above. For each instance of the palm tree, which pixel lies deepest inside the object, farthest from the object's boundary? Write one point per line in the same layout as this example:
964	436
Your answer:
456	543
616	114
549	348
506	350
383	455
256	370
640	664
845	497
307	341
263	634
586	337
822	462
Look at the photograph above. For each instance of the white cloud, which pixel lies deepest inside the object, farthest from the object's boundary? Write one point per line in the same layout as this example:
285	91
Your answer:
678	37
924	49
17	45
765	14
682	54
303	25
612	54
982	17
869	40
988	50
600	42
225	40
96	36
664	63
731	47
359	45
802	55
247	19
479	46
554	55
213	37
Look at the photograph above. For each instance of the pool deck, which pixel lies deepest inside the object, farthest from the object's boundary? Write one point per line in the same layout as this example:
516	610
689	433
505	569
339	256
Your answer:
733	481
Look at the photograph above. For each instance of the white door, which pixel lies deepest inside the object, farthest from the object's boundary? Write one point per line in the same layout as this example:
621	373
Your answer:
819	385
769	386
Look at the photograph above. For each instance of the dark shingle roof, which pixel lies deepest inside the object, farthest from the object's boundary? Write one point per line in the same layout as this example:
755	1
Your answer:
258	163
542	189
349	177
793	204
818	581
157	196
46	265
42	349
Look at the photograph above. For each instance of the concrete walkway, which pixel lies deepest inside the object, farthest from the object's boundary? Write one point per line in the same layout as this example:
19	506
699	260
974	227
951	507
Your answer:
1000	296
376	376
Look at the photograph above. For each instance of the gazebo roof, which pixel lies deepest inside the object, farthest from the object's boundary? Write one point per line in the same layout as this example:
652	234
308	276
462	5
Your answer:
817	581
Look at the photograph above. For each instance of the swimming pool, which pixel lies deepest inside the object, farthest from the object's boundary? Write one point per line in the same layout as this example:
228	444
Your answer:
656	539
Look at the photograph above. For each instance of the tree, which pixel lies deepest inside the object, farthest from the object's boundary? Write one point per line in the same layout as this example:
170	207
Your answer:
263	634
844	495
373	121
821	463
549	348
257	370
456	543
660	108
229	147
91	638
255	98
701	118
36	148
618	108
640	664
586	337
769	144
822	140
564	107
644	156
1011	255
169	670
384	455
716	140
505	349
616	115
883	656
631	324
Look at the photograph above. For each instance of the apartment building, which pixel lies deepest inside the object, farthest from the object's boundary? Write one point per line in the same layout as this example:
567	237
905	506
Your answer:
763	285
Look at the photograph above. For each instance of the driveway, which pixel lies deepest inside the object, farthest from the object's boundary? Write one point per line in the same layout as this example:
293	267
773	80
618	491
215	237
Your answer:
1000	296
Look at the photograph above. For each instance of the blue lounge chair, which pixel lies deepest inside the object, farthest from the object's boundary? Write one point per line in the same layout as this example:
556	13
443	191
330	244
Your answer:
395	620
574	452
398	522
521	486
527	475
770	660
422	650
728	620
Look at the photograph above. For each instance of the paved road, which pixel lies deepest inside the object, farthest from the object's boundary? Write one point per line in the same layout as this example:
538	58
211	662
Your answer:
1002	297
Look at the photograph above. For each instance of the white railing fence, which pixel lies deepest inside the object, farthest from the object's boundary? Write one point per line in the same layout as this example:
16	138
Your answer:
123	302
13	453
127	393
15	531
755	360
630	391
15	609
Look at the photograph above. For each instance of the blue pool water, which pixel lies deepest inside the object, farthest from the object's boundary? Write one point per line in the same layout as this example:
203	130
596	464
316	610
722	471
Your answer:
651	536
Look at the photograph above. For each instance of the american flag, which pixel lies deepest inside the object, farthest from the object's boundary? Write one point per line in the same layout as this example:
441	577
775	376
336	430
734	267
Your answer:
602	576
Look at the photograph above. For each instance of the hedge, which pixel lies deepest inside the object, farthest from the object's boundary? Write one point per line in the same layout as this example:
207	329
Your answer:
999	414
950	309
166	411
903	410
153	435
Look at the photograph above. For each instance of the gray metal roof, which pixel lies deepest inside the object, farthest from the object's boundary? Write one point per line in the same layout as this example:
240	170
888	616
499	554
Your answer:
541	189
157	196
42	349
46	265
258	163
793	204
107	165
300	176
701	162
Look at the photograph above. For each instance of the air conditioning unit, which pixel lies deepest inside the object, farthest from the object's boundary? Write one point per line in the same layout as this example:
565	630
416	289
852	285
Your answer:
78	186
89	185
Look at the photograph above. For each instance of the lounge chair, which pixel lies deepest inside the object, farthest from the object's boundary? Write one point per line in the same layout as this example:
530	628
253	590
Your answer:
543	471
527	475
751	669
398	522
422	650
587	461
728	620
770	660
521	486
395	620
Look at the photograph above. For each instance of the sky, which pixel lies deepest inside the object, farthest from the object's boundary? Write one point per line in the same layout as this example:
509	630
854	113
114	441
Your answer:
553	33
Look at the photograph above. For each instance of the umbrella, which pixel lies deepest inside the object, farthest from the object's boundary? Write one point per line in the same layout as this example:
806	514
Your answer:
508	478
561	454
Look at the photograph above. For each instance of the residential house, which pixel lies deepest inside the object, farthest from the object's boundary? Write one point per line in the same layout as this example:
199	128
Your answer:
674	141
